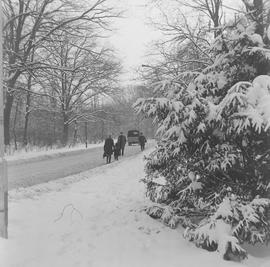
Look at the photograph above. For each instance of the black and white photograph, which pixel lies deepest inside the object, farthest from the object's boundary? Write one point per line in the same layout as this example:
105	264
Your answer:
135	133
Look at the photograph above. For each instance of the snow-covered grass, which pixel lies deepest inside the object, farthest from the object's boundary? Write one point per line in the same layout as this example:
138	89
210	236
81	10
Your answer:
34	151
97	218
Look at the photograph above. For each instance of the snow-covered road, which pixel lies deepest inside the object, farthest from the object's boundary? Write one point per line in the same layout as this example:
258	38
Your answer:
96	219
43	168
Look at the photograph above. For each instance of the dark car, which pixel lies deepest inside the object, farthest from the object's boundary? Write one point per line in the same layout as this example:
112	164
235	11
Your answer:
133	137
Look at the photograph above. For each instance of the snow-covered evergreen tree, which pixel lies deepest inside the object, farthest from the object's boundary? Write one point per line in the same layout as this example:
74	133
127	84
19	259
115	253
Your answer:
211	168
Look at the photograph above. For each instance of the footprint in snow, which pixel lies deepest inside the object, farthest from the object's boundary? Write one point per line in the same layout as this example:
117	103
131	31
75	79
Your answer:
145	230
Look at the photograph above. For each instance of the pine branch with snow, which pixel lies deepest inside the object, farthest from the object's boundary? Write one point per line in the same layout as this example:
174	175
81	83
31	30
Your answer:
213	148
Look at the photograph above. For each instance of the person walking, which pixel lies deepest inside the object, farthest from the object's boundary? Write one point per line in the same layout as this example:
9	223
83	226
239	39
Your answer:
122	142
108	149
142	141
116	150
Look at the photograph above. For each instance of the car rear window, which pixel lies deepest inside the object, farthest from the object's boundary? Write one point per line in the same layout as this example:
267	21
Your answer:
133	133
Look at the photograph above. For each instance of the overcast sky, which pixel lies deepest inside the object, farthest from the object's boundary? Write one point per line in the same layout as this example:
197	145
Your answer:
134	33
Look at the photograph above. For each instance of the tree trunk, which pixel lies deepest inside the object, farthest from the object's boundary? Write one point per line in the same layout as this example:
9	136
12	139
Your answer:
54	127
102	130
75	135
255	11
85	132
7	113
258	6
14	126
65	129
26	117
65	134
8	106
28	100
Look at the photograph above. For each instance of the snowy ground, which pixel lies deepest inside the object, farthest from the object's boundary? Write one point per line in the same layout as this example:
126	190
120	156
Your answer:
96	218
39	152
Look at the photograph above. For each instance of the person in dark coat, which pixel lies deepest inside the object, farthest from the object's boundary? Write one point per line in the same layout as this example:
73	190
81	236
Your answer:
122	142
142	141
116	150
108	149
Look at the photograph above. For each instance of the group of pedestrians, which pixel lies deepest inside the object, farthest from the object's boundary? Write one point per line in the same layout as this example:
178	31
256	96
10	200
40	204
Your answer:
119	147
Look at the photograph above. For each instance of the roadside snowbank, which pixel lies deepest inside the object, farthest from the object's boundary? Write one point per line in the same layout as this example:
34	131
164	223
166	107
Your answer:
25	155
97	218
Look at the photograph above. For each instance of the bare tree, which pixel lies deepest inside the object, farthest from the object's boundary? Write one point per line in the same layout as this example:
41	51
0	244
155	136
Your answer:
28	24
186	48
80	73
211	8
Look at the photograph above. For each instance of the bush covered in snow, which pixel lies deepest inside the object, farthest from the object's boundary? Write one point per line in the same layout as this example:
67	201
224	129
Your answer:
213	152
